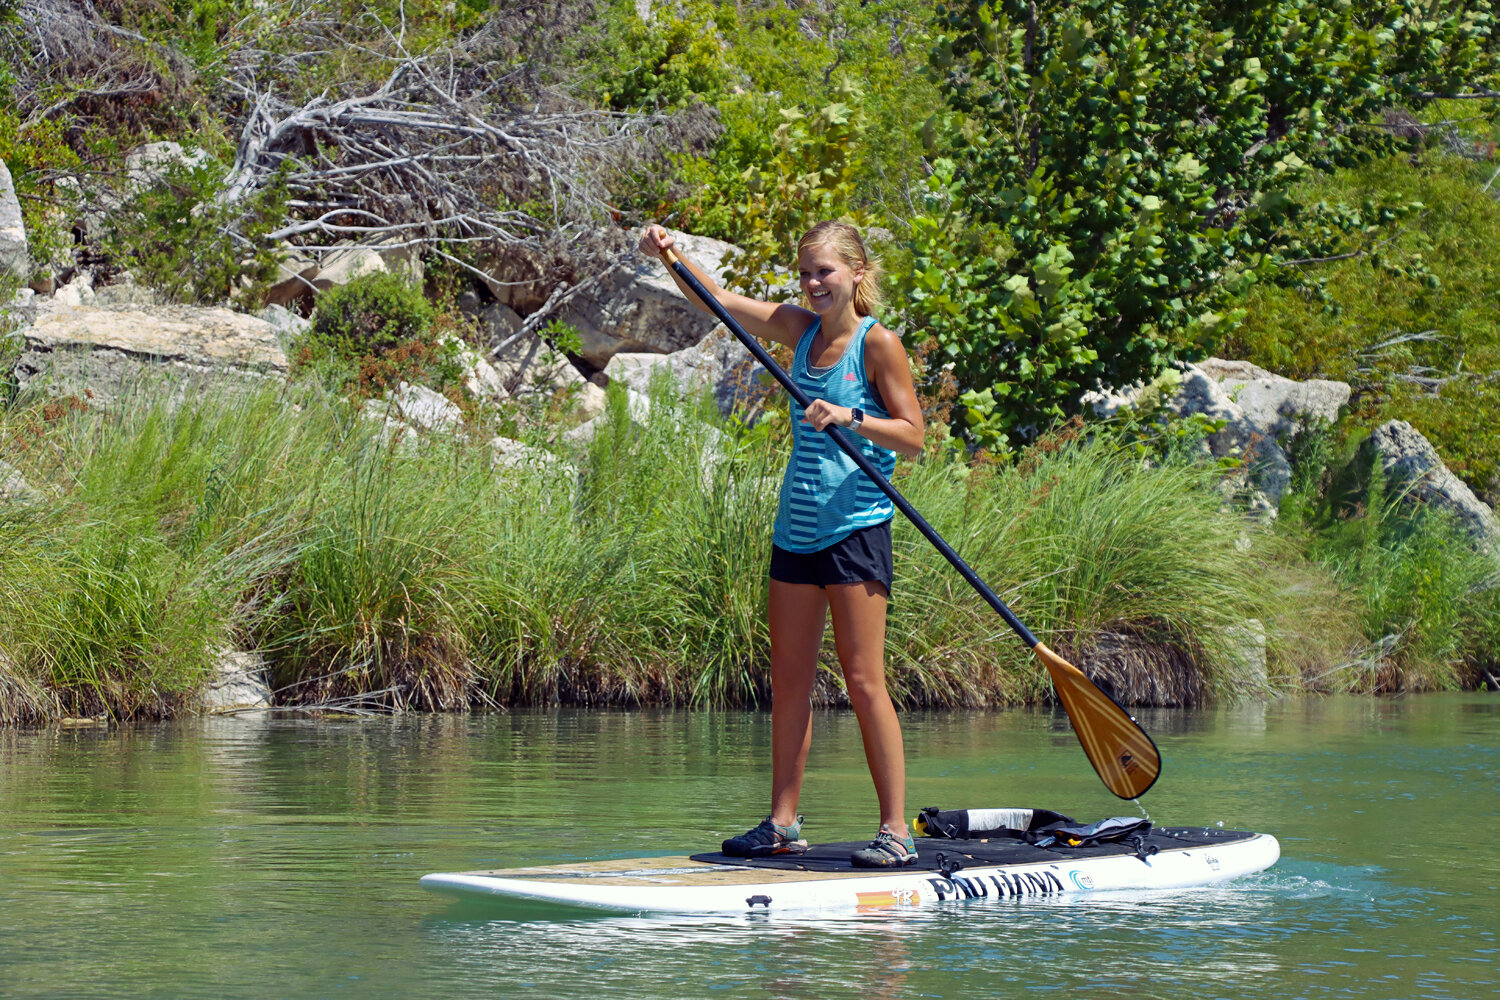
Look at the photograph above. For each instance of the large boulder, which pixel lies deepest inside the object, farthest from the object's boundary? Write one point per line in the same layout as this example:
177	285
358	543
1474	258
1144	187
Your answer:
14	257
718	363
1277	407
1259	411
637	307
91	352
529	368
1193	392
1411	465
238	682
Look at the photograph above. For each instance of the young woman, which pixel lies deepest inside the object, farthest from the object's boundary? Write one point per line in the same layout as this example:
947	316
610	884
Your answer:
831	550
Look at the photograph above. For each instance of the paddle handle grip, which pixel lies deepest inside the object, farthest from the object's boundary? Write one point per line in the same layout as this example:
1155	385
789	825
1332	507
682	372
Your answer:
842	439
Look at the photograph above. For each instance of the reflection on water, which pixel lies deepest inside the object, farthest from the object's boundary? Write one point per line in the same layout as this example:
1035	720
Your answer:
261	856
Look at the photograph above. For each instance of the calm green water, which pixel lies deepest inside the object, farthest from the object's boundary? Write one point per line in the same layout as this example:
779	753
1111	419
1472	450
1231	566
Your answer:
276	857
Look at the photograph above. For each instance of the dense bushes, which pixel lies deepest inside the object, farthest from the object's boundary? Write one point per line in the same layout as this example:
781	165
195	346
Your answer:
1137	159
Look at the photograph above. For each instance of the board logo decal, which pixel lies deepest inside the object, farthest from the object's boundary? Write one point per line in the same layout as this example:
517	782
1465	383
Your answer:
974	885
1081	880
1213	862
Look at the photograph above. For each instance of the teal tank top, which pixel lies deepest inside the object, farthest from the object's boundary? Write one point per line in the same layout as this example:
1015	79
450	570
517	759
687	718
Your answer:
824	495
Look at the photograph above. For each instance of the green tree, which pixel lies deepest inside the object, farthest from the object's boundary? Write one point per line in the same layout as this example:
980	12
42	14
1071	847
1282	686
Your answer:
1117	171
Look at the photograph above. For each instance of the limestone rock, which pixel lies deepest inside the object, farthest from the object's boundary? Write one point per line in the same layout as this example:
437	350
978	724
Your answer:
516	455
1277	407
499	321
14	488
149	163
637	405
423	408
637	307
287	324
718	363
295	271
1194	392
14	256
1411	464
480	379
528	367
90	351
393	430
238	682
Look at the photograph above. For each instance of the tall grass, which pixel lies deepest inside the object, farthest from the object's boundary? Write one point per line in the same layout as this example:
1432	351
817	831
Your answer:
630	570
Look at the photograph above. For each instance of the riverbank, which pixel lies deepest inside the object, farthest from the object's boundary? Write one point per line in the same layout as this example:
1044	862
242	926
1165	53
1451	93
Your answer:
386	572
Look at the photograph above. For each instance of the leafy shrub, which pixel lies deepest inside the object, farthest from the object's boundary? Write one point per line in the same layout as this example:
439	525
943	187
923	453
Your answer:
372	314
176	237
666	62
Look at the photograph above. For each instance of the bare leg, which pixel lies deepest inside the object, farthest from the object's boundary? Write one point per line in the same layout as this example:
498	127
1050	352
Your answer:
798	616
859	635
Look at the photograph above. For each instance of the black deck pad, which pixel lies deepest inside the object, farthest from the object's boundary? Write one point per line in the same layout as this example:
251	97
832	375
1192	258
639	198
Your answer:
981	853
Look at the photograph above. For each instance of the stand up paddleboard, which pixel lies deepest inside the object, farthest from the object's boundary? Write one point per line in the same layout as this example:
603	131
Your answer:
822	879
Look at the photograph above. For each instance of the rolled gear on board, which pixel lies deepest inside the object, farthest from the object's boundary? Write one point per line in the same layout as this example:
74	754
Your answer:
1039	827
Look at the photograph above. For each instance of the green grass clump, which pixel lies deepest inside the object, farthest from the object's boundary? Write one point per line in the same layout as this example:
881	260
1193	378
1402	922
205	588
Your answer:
629	570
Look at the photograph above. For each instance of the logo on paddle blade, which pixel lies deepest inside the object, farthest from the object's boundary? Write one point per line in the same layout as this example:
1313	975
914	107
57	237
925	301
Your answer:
1127	760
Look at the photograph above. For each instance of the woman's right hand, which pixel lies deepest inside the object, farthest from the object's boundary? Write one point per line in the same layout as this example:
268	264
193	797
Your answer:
654	240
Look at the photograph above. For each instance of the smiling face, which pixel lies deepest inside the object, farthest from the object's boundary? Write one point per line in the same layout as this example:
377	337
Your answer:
828	282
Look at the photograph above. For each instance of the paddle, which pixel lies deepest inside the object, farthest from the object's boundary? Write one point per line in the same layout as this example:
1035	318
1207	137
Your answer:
1121	752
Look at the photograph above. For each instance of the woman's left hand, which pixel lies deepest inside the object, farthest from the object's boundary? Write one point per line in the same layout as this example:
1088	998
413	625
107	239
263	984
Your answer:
822	413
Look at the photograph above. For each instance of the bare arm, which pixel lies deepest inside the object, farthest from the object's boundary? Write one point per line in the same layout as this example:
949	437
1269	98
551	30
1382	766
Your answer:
887	367
781	323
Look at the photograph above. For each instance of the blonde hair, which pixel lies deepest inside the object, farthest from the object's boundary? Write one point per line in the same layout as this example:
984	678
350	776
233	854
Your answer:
844	240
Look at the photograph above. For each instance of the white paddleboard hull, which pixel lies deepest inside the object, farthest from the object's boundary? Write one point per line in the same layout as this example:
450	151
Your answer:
681	885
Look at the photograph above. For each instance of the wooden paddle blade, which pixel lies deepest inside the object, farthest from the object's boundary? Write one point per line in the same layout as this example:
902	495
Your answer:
1126	759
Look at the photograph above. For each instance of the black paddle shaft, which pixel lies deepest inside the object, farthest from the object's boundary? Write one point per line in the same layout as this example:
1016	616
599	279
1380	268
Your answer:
841	437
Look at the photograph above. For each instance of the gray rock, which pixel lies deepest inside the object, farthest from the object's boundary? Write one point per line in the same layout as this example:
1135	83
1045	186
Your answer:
124	291
238	682
423	408
509	455
1251	436
149	163
637	307
92	352
529	368
287	324
1411	464
14	488
1245	645
718	363
393	430
1277	407
637	405
500	321
480	379
15	259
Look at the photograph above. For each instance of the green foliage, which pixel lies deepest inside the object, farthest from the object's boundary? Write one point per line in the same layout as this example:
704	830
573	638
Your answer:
1137	158
809	176
1380	332
176	237
39	151
371	314
864	53
664	63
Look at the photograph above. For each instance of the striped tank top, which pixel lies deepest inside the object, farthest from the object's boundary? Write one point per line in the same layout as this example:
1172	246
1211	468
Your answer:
824	496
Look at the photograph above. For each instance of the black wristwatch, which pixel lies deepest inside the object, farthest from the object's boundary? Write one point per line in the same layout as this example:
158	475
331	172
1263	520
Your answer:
857	417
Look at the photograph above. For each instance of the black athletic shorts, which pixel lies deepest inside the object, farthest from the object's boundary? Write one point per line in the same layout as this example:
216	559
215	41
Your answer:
864	555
